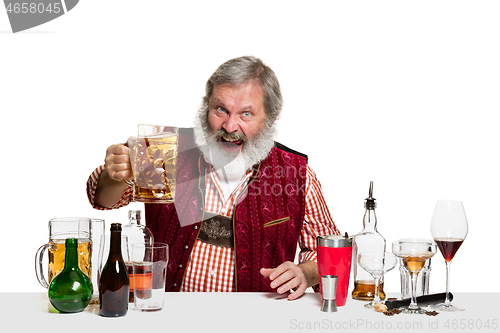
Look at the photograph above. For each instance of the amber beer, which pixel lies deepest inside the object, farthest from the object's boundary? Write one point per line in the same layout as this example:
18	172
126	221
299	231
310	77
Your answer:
57	250
155	167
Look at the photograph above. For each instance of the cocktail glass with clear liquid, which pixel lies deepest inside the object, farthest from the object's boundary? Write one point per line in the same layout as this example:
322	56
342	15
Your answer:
449	229
414	252
377	264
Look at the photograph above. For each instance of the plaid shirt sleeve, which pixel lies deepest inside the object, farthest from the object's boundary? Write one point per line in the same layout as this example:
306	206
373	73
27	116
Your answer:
317	220
126	198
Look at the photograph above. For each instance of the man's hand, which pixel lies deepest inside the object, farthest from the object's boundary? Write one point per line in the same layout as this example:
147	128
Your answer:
289	276
111	186
117	162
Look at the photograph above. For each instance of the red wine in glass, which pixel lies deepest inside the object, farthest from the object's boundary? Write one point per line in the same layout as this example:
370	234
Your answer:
448	247
449	228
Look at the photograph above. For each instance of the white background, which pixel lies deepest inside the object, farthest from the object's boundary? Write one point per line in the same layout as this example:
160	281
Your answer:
404	93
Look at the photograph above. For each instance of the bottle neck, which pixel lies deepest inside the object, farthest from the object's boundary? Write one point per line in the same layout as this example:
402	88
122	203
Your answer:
115	246
71	255
134	222
370	220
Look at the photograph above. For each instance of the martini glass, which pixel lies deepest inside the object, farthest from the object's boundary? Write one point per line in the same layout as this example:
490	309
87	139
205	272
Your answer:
377	264
414	252
449	229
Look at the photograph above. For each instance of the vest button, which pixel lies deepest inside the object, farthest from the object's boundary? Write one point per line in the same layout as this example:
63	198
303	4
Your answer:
175	285
195	227
180	266
186	247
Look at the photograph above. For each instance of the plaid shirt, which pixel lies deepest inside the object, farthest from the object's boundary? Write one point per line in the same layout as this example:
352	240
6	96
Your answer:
211	268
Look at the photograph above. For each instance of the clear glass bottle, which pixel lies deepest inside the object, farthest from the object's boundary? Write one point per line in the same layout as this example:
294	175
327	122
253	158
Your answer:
369	239
71	290
136	233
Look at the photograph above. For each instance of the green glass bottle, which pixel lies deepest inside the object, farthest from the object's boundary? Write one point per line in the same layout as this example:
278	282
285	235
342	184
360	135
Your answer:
70	290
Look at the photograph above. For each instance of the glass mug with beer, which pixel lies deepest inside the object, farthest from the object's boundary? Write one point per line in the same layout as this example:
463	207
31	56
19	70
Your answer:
153	156
59	230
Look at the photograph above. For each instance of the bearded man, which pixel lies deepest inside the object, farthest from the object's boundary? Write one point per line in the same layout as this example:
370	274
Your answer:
232	176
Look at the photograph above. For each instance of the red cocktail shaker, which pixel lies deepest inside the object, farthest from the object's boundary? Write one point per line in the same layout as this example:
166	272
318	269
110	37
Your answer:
334	258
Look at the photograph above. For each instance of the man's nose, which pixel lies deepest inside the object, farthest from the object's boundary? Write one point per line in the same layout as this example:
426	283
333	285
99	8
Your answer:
231	124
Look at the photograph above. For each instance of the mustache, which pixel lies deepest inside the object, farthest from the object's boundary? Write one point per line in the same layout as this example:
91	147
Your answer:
234	136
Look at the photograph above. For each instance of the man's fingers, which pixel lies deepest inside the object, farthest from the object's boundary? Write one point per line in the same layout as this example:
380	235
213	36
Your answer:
119	174
281	280
266	271
273	273
286	277
117	150
117	162
117	159
283	268
298	292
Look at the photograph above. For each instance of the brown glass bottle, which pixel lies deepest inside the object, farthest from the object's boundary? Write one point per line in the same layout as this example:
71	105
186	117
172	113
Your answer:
114	282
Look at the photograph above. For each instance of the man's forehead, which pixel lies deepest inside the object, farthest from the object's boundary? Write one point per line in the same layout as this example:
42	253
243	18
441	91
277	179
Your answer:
247	90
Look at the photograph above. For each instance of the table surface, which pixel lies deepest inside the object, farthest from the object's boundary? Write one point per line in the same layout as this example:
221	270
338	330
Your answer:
247	312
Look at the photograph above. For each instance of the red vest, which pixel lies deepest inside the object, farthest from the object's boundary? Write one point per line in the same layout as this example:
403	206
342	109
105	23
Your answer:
267	220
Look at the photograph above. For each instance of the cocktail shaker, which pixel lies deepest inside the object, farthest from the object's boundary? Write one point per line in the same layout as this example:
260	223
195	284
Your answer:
334	258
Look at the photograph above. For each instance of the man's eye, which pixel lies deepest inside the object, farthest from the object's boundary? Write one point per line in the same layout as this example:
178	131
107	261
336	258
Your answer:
221	109
246	114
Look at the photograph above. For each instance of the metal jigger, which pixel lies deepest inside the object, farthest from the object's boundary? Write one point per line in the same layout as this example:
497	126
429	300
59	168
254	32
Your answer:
329	290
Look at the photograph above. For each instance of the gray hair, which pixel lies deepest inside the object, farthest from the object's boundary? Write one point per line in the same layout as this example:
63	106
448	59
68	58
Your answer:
242	70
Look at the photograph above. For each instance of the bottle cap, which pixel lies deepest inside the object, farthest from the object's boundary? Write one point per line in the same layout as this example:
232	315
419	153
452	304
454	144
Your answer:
370	201
134	214
116	227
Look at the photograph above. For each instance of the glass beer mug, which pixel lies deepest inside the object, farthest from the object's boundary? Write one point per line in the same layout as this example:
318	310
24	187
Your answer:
59	230
153	156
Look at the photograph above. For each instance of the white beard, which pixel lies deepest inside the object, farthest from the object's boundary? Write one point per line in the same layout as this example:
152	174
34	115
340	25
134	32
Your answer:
232	165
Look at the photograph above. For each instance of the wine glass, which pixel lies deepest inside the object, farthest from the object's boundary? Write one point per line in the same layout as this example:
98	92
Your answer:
414	252
449	229
377	264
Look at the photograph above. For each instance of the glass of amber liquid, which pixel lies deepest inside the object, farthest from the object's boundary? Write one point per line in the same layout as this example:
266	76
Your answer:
149	263
153	156
61	229
449	229
377	264
414	252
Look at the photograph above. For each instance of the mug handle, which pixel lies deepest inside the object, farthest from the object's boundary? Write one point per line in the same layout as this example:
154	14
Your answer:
39	266
131	143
